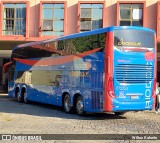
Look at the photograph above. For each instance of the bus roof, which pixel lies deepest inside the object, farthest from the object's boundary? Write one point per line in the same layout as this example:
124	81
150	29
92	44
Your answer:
76	35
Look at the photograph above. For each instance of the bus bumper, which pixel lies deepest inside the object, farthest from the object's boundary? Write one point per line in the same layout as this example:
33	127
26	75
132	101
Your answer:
133	106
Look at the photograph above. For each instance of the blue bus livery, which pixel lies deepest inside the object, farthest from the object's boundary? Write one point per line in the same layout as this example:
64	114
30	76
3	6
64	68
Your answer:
106	70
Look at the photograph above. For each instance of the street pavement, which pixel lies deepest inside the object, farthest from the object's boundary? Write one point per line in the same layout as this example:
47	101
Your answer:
36	118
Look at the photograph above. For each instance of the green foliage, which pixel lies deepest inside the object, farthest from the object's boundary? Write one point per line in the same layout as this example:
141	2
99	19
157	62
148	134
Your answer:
82	44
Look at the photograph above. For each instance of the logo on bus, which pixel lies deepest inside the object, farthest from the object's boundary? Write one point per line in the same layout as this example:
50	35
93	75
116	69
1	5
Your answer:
148	92
149	56
125	43
124	61
84	66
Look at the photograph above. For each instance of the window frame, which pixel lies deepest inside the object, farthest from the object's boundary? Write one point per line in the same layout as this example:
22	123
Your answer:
131	2
41	17
90	2
27	17
14	19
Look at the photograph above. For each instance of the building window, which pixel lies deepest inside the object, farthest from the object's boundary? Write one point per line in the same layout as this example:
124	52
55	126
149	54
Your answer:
14	19
91	16
131	14
53	20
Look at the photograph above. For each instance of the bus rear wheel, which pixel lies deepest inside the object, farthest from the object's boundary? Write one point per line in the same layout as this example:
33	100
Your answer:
67	104
19	97
80	106
25	97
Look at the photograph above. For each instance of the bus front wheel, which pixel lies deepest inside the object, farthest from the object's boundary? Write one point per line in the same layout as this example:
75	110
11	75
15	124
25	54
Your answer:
80	106
67	104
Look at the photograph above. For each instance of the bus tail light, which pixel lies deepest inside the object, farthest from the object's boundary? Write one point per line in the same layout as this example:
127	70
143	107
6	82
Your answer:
154	95
154	89
111	87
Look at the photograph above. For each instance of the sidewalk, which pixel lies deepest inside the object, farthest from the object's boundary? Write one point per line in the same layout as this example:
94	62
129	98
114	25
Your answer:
3	94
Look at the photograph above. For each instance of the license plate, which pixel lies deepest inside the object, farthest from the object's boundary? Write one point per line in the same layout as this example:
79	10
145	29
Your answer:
135	97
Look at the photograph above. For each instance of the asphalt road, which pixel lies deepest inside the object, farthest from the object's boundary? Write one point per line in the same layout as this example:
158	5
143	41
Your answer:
36	118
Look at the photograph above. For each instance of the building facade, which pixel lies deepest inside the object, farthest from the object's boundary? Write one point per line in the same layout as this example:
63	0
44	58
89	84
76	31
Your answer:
33	20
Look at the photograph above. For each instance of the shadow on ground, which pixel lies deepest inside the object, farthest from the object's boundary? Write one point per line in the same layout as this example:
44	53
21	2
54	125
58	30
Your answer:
10	105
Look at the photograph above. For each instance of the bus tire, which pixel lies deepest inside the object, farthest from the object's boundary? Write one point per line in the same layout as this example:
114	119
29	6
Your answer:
67	104
80	106
19	97
119	113
25	97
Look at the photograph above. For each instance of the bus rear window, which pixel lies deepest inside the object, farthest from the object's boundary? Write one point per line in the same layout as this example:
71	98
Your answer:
134	38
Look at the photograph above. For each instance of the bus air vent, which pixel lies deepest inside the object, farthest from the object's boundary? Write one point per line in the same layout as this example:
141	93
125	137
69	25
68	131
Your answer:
97	79
97	101
134	73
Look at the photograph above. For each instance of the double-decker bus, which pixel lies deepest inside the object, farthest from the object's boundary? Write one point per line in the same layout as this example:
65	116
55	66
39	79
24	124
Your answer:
111	69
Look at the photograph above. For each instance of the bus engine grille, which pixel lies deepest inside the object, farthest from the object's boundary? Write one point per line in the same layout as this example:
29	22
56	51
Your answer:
134	73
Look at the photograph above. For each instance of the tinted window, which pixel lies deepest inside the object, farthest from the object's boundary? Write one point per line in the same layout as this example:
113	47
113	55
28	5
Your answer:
134	38
64	47
82	44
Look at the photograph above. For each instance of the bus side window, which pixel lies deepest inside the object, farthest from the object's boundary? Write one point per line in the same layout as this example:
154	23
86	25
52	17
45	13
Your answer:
82	44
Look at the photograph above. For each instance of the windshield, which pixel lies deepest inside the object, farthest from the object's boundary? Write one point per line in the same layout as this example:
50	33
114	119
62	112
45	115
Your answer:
134	38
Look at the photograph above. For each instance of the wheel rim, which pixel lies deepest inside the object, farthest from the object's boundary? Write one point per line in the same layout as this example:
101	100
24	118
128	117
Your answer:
25	97
80	106
67	104
18	96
